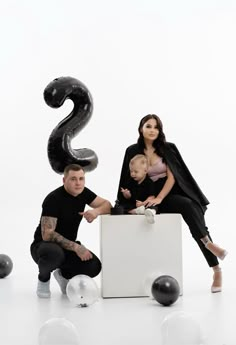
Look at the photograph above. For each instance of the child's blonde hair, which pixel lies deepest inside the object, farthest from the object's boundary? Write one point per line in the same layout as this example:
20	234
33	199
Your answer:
141	159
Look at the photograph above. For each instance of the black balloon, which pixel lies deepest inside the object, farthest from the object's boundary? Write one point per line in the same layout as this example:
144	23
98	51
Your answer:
6	265
60	152
165	290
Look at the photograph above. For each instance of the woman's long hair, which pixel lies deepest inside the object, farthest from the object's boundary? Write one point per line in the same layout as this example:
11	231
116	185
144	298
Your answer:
159	143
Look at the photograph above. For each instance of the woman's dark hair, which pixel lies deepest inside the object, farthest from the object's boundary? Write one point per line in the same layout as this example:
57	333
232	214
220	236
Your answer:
159	143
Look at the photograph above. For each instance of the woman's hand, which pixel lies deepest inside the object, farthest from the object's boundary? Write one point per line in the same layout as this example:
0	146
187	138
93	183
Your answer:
149	199
154	202
126	193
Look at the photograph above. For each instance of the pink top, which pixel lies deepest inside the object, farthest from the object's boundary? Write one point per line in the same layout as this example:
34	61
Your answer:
157	170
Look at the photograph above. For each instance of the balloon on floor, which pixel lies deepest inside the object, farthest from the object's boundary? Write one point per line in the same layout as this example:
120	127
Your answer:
150	278
180	327
58	331
6	265
82	290
60	153
165	290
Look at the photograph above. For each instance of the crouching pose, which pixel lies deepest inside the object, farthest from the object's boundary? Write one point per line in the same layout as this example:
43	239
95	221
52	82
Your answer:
55	246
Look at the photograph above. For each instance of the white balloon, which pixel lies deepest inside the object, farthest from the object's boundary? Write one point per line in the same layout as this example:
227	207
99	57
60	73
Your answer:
180	328
58	331
82	290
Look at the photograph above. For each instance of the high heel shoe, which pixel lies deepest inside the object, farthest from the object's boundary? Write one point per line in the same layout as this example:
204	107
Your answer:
223	255
217	281
216	250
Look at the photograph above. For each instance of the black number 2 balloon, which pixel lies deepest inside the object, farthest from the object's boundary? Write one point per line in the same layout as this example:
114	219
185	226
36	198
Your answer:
60	152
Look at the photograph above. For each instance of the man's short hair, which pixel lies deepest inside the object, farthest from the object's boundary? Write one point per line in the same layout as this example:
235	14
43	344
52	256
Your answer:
73	167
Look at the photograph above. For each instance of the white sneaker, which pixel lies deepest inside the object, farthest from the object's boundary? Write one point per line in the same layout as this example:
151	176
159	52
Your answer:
149	214
43	289
140	210
61	280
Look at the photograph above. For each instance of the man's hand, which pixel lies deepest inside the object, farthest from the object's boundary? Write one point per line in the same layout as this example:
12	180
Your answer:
89	215
83	253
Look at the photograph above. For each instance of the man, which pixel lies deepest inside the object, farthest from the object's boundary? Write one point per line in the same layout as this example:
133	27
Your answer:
55	247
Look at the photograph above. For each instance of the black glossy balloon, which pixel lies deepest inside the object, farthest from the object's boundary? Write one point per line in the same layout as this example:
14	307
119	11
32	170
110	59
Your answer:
6	265
165	290
60	152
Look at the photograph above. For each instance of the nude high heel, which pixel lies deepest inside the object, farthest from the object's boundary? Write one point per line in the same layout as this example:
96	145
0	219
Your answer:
216	250
217	281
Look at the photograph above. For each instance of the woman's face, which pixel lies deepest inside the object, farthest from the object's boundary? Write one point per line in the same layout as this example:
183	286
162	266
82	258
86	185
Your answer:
149	130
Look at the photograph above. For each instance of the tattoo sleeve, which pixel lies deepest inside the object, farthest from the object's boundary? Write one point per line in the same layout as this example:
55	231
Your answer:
48	226
62	241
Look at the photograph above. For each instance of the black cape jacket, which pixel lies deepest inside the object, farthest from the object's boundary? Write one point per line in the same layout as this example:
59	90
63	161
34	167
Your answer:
177	166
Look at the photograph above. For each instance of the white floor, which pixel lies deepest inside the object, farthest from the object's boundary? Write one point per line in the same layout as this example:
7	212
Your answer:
127	321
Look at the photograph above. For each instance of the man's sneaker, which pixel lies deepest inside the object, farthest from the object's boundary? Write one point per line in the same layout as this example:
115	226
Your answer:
140	210
61	280
149	214
43	289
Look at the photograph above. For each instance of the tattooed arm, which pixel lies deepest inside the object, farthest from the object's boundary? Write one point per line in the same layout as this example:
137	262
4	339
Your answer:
48	226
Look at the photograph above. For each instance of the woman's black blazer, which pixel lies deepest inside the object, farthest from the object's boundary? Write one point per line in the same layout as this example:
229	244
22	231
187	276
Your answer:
176	164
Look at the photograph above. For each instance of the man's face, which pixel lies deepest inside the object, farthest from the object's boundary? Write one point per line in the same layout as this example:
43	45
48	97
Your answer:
74	182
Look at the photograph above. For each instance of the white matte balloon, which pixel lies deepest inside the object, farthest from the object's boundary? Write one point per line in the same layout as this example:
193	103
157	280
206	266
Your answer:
58	331
82	290
180	328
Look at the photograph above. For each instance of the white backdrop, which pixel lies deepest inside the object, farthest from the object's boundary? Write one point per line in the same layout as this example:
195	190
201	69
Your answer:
172	58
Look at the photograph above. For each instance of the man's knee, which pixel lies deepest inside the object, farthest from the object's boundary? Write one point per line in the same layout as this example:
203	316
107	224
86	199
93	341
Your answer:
95	267
51	251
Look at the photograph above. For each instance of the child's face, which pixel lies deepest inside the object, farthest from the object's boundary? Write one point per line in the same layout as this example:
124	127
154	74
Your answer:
138	171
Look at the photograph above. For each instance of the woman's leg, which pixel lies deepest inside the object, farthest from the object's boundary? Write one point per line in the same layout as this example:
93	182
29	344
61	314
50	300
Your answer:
194	217
217	279
214	248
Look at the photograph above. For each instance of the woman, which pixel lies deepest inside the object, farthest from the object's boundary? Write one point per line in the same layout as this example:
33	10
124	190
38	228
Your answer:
176	191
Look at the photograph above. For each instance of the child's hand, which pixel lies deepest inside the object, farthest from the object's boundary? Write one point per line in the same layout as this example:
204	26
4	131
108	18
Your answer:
126	193
139	203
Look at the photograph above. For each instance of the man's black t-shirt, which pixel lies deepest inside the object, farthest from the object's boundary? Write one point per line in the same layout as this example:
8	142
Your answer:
65	207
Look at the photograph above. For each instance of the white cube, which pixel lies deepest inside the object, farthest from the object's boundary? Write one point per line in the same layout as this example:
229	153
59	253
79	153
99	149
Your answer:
131	250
